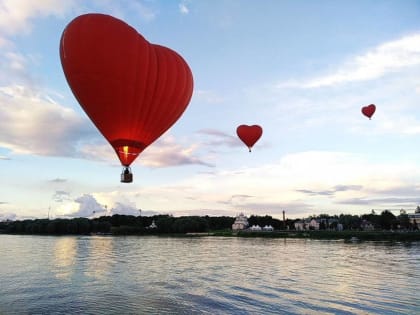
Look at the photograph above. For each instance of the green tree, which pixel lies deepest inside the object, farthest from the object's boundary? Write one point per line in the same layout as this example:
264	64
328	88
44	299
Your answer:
404	221
387	220
349	222
164	224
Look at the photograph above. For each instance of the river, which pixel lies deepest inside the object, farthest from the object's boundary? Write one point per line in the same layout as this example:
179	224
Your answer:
206	275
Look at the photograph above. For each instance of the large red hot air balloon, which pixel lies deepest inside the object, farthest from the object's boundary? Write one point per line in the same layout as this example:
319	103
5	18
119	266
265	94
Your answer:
369	110
132	90
249	134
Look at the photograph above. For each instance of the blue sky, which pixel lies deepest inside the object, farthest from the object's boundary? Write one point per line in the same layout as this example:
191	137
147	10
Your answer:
301	69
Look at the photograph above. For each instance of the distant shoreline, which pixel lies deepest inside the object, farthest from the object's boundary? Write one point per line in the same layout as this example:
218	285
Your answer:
348	235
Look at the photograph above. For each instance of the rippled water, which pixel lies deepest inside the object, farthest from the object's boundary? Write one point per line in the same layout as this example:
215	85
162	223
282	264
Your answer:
208	275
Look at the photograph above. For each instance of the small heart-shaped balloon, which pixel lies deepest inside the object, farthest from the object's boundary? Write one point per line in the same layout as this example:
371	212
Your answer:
369	110
132	90
249	134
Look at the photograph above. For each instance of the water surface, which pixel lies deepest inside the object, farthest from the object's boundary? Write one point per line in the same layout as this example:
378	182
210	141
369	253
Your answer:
206	275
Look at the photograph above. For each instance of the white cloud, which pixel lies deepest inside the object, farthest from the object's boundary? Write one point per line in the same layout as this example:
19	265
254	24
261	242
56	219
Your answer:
33	125
7	216
285	185
16	15
167	152
126	209
375	63
96	205
84	206
16	61
183	8
5	43
219	138
302	184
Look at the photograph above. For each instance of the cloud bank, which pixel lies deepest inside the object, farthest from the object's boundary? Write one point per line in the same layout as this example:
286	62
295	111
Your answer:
372	64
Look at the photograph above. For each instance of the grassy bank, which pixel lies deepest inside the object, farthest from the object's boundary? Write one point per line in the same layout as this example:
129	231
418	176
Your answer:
330	235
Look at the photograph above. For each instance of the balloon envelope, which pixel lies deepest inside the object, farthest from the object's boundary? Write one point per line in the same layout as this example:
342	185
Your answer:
249	134
369	110
132	90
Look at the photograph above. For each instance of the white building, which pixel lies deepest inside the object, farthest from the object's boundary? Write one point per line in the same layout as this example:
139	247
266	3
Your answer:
314	225
153	225
255	228
268	228
300	225
241	222
414	218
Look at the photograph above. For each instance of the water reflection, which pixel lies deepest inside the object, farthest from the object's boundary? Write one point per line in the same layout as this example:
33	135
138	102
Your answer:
99	260
158	275
65	250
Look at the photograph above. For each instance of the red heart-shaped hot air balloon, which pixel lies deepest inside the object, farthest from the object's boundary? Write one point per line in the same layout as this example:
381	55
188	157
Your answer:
249	134
369	110
132	90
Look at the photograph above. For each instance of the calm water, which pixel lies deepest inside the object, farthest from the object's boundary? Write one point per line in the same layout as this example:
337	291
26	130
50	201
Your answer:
209	275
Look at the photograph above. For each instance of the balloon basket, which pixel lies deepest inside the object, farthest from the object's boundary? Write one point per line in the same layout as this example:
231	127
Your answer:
126	175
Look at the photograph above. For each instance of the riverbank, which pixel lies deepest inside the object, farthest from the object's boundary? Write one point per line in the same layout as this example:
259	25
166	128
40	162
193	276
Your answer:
348	235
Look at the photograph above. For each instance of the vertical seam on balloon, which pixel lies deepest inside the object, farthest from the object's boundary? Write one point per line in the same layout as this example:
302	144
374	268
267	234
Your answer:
175	109
184	95
161	77
169	83
137	88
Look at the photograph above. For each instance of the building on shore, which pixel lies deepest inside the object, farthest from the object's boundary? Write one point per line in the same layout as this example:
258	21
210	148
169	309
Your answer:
153	225
241	222
255	228
268	228
414	219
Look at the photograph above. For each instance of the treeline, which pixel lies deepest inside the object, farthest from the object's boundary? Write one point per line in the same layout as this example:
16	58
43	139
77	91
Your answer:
167	224
386	220
118	225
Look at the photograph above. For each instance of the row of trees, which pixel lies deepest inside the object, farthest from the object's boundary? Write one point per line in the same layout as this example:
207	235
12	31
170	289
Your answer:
118	224
126	224
386	220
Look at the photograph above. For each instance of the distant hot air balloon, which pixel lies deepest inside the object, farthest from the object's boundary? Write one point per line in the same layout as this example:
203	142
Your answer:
369	110
249	134
132	90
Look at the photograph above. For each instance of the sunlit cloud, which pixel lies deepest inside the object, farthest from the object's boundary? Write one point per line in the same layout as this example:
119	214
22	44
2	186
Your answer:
32	125
99	150
204	212
166	152
83	206
7	216
91	205
372	64
217	138
125	209
301	184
